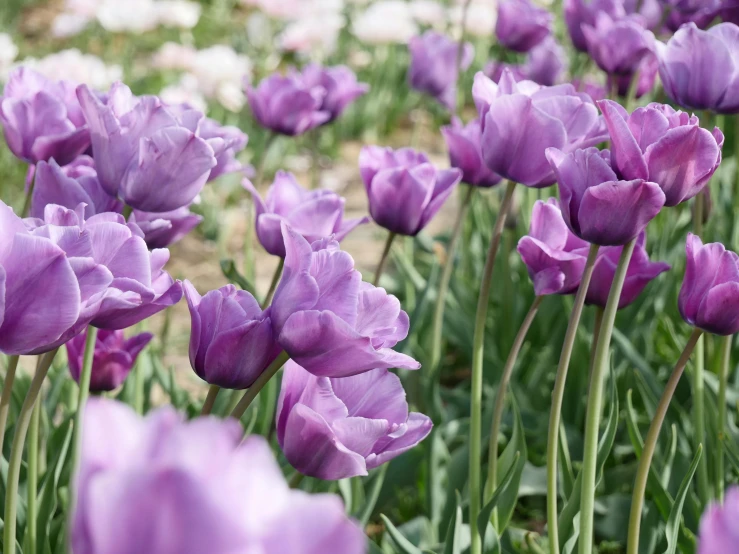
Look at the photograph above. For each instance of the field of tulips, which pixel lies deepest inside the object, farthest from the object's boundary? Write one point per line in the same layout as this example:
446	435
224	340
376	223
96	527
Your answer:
369	276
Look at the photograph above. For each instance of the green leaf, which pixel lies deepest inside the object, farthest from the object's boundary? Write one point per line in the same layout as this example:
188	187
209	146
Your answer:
403	544
453	543
373	548
673	523
506	483
374	494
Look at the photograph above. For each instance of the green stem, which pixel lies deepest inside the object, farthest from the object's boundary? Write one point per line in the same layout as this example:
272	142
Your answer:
478	348
127	211
383	259
460	50
32	485
210	400
259	171
371	501
273	285
558	393
315	176
251	394
650	443
595	402
29	195
84	393
722	434
6	397
598	321
138	386
492	481
16	450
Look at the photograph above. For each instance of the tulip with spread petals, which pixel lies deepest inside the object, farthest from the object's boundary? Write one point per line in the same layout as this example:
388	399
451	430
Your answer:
41	119
433	69
335	428
315	214
340	84
596	205
146	153
709	296
231	341
404	189
719	527
521	24
521	120
659	144
161	485
226	142
163	229
112	361
328	320
463	143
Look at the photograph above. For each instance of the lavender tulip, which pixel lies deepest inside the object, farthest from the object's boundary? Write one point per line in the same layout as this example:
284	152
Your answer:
433	69
709	296
646	76
593	89
231	342
315	214
163	229
340	84
668	147
544	65
146	154
404	189
112	361
554	256
338	428
463	143
161	485
596	205
521	25
41	119
287	105
328	320
521	120
226	142
699	12
700	69
719	527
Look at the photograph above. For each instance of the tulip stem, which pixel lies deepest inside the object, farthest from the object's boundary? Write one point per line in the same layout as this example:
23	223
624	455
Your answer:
16	450
558	393
383	259
460	52
595	401
478	348
258	385
29	195
650	443
127	211
210	400
273	285
84	393
259	171
492	481
32	472
315	174
7	396
722	435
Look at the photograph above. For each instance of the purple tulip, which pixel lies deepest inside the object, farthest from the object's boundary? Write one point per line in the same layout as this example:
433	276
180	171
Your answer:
463	142
668	147
113	359
328	320
315	214
41	118
163	229
340	84
638	275
700	69
231	341
333	428
646	76
546	62
287	105
596	205
554	256
161	485
146	153
494	71
709	296
593	89
700	12
433	69
521	120
226	142
719	527
404	189
521	25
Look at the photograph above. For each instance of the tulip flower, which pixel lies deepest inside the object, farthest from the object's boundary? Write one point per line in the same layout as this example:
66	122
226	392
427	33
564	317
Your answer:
521	25
161	485
433	69
231	342
338	428
593	89
545	63
719	526
700	69
596	205
340	84
554	256
709	296
112	361
463	142
226	142
404	189
668	147
41	119
315	214
327	319
163	229
287	105
646	76
146	154
521	120
699	12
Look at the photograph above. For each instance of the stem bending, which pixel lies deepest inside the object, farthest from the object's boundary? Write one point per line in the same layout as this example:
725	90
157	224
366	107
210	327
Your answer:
251	394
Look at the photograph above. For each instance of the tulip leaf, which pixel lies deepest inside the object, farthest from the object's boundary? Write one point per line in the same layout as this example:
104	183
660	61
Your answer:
673	522
732	453
405	546
374	494
503	486
453	542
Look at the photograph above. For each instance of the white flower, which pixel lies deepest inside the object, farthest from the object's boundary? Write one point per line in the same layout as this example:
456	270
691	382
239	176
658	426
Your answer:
182	14
73	65
135	16
86	8
312	33
185	92
385	22
259	30
481	18
296	9
428	12
69	24
172	55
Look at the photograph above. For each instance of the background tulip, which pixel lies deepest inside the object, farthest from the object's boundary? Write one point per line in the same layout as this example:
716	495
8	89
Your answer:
719	526
113	359
404	189
521	25
463	143
340	428
646	75
164	229
340	84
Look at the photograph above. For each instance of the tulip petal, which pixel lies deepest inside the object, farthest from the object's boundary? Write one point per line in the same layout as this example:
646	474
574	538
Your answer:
417	428
719	311
626	154
374	394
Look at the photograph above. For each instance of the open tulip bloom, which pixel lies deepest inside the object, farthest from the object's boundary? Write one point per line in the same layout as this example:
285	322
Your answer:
521	25
465	153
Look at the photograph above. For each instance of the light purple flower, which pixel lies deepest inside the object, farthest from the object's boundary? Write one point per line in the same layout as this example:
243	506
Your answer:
335	428
113	359
404	189
340	84
161	485
545	64
328	320
463	143
521	25
719	527
315	214
164	229
646	76
226	142
618	46
700	12
595	90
